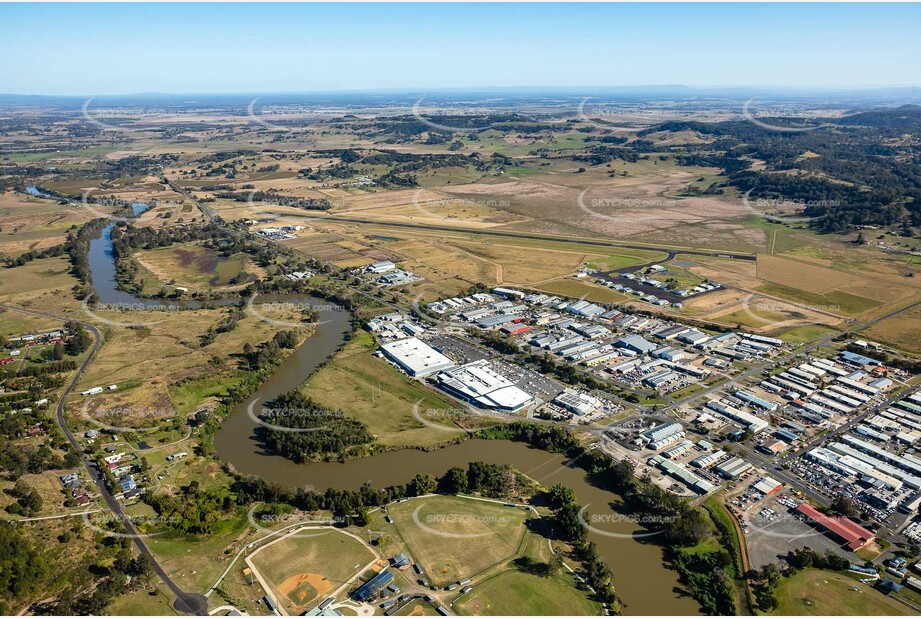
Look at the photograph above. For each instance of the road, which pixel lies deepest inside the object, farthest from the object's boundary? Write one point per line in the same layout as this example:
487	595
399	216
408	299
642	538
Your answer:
186	602
749	453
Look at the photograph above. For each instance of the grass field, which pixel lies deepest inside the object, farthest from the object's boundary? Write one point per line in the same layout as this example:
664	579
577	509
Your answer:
576	289
171	354
195	563
484	534
803	334
617	261
836	301
370	389
513	593
902	331
823	593
38	276
417	608
157	602
309	565
191	266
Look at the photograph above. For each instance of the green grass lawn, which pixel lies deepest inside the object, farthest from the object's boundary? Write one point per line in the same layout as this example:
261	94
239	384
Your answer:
821	593
485	534
187	396
618	261
577	289
834	302
157	602
803	334
513	593
193	562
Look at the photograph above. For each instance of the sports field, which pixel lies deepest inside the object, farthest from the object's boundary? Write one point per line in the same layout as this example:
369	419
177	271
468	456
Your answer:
455	538
822	593
306	567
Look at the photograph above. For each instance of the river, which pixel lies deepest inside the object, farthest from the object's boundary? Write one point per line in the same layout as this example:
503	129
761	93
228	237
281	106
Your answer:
645	586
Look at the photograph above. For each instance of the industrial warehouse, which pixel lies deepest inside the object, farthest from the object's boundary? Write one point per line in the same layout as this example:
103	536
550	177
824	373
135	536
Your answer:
416	357
484	387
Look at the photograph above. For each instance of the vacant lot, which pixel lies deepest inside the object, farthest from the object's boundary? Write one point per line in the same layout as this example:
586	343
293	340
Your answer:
455	538
823	593
303	567
802	275
902	331
577	289
172	352
36	279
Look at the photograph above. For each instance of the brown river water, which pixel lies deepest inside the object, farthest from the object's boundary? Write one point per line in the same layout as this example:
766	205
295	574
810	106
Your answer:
644	584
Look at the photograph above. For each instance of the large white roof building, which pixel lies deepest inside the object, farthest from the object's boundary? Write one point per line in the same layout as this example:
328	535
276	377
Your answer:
416	357
482	386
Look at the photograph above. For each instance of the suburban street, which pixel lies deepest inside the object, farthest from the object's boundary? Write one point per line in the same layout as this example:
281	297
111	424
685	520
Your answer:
186	602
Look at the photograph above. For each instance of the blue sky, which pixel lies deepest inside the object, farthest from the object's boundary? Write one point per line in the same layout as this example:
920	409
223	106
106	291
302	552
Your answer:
95	49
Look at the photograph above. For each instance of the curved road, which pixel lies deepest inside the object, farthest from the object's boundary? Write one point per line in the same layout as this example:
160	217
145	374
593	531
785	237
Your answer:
186	602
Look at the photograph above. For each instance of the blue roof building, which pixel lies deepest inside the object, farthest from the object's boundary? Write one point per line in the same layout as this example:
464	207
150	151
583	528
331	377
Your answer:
373	586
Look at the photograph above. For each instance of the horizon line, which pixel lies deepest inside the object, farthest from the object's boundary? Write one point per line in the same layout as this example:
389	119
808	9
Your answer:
467	89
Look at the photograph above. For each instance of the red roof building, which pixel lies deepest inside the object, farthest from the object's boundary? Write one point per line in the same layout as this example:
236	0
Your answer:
853	534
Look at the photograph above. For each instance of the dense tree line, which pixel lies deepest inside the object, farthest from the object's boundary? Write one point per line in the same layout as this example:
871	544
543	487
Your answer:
846	172
22	567
318	431
568	524
305	203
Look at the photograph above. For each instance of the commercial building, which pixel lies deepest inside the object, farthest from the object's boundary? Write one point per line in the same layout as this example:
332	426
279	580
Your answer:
755	401
749	420
773	447
734	468
708	459
678	450
663	435
416	357
381	267
677	471
767	486
508	293
852	534
479	384
577	402
635	343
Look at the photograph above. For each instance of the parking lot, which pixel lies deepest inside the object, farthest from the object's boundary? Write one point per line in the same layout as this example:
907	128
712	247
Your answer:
772	529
